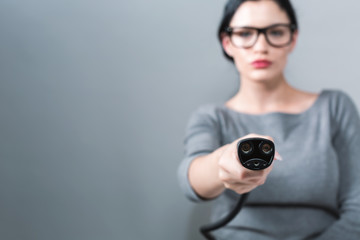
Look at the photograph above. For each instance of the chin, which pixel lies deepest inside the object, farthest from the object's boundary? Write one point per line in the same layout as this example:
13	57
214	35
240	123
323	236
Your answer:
263	75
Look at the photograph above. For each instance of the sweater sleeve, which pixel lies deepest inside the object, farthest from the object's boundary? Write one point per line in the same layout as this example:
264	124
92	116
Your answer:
202	137
346	141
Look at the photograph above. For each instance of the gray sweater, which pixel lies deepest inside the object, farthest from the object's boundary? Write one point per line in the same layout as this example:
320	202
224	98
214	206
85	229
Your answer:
314	193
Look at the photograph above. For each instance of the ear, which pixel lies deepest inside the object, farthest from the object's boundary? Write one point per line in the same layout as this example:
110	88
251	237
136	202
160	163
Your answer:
226	44
294	41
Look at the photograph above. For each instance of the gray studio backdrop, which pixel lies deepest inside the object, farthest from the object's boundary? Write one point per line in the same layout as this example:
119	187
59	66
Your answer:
95	97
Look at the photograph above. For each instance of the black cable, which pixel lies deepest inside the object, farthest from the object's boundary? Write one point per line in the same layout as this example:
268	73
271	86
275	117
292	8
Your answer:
205	230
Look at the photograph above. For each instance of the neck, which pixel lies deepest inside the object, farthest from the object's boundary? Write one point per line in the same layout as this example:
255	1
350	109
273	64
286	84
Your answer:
260	97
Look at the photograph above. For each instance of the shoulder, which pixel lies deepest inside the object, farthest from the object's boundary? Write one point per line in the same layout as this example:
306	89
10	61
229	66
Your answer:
209	116
337	96
339	102
344	114
211	112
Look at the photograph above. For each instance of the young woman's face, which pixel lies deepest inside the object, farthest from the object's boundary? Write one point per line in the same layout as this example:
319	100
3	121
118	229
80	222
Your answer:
261	62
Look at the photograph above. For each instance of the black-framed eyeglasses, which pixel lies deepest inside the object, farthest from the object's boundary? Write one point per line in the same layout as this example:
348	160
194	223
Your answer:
277	35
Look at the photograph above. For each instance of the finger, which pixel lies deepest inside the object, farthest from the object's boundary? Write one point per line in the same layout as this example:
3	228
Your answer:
254	178
229	162
278	156
252	174
239	185
231	178
228	178
253	135
268	170
248	183
242	190
259	180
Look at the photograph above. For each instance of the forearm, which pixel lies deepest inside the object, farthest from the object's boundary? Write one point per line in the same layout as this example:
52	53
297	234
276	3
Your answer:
204	175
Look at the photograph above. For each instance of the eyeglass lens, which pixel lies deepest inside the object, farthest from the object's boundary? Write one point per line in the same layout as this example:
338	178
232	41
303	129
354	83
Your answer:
276	36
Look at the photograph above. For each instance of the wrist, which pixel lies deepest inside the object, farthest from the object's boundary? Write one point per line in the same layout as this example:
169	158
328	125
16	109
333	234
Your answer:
218	183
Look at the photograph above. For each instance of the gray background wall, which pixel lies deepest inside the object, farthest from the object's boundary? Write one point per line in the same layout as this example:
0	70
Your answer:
95	96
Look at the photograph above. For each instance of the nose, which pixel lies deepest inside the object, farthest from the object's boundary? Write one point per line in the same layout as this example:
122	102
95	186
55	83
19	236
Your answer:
261	45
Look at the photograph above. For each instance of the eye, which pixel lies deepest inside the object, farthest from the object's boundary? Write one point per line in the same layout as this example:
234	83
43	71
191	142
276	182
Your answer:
244	33
276	32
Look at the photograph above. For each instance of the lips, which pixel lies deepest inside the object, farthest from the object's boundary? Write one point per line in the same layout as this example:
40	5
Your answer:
261	63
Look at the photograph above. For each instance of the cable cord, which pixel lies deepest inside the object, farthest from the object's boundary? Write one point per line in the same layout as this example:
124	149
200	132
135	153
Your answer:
205	230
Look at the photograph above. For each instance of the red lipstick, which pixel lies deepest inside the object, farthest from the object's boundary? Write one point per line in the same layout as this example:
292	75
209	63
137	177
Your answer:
261	63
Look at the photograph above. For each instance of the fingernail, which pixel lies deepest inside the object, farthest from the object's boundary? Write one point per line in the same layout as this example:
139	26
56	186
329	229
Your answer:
278	157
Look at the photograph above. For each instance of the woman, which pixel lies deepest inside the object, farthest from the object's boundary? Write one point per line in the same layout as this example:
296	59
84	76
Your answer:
314	193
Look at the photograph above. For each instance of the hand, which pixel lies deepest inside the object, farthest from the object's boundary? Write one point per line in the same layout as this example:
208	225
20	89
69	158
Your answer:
236	177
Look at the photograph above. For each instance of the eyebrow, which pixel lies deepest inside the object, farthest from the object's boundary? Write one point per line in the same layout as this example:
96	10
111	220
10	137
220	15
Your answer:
274	24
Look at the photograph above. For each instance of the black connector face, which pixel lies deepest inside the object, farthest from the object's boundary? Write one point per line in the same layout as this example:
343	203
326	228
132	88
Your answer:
256	153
